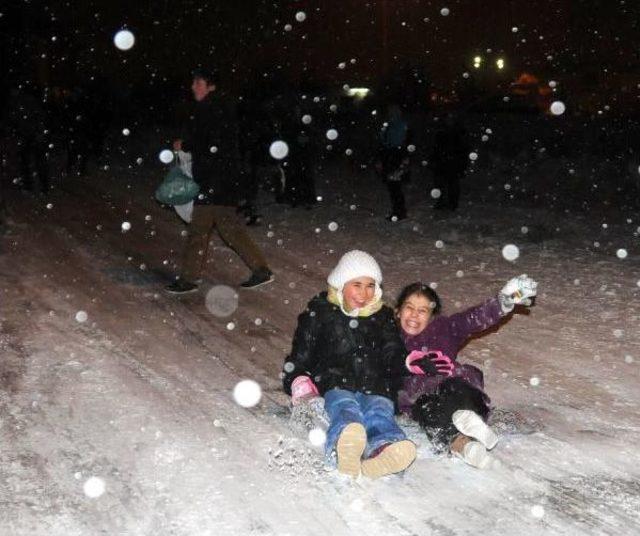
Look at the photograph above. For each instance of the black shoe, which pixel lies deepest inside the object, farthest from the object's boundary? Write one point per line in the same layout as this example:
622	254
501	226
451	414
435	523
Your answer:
180	286
254	220
260	277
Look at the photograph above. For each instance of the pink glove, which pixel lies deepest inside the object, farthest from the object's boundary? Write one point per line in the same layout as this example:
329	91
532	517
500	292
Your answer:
302	389
432	362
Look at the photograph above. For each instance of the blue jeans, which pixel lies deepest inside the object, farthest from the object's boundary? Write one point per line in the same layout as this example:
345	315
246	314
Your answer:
374	412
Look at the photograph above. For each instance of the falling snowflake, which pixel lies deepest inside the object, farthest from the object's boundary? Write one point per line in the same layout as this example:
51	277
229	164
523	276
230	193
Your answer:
333	226
332	134
306	119
221	301
247	393
81	316
436	193
126	226
301	16
557	108
621	253
534	381
94	487
166	156
445	11
537	511
510	252
317	437
279	149
124	40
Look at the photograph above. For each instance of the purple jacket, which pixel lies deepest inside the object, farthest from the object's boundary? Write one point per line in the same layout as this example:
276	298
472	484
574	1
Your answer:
448	334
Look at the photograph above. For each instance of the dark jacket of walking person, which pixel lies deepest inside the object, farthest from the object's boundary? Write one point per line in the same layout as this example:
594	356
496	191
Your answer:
299	185
449	160
211	138
393	161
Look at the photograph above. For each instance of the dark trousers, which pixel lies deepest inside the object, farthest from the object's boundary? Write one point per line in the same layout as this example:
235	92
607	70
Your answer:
300	186
434	411
31	149
390	162
448	182
398	207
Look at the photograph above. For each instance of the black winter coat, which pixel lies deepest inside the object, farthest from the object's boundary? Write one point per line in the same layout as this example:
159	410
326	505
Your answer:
212	139
357	354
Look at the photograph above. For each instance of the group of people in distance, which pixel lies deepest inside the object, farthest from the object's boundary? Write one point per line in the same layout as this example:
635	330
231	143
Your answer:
368	361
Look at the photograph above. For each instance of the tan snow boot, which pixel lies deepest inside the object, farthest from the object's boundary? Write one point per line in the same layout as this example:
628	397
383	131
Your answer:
349	448
393	458
470	451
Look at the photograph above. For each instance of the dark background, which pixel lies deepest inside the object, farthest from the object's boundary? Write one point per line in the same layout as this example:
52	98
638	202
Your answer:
589	46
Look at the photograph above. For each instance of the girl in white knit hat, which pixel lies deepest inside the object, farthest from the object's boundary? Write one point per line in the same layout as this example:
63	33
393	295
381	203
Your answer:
347	348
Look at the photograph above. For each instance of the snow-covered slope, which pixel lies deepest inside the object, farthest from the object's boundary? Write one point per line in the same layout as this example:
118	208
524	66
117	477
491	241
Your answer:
140	394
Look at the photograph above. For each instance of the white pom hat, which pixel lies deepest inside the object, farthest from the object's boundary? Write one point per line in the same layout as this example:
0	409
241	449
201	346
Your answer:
354	264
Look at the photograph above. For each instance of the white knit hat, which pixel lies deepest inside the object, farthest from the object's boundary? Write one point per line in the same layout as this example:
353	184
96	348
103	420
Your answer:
354	264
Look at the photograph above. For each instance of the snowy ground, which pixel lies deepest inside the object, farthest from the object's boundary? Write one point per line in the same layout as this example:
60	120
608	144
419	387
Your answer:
139	395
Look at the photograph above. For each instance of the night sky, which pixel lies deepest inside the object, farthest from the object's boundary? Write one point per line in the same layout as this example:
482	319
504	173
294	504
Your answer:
585	40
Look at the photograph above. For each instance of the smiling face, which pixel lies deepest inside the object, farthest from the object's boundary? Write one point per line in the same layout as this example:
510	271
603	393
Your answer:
358	292
415	314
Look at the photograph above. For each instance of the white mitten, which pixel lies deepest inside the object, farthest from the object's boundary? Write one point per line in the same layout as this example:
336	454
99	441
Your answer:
518	290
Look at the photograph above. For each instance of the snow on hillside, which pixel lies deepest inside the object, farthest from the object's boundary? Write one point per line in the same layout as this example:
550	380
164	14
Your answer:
124	422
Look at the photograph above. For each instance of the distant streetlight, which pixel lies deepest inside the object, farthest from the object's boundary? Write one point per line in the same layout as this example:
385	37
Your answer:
477	61
500	63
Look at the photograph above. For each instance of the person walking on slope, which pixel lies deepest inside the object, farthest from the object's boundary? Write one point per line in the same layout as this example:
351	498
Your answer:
212	142
27	121
450	404
347	348
393	163
448	161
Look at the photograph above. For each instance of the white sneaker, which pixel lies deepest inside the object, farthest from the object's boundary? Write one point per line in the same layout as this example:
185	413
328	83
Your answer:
474	454
472	425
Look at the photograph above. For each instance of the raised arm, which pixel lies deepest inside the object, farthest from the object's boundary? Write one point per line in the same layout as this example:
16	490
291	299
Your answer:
518	290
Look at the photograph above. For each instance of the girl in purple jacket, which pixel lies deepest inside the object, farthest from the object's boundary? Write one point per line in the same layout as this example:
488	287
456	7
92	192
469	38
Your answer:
450	404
